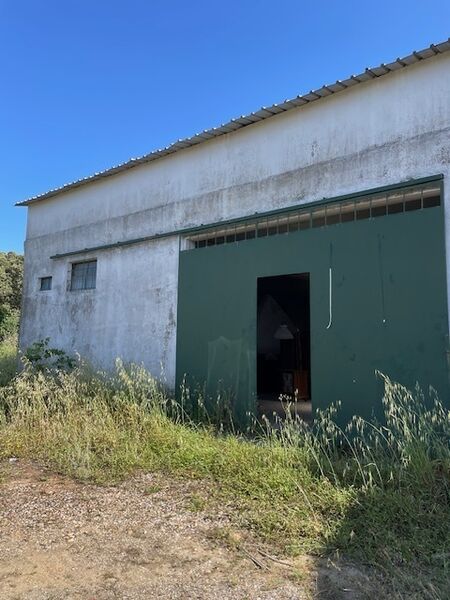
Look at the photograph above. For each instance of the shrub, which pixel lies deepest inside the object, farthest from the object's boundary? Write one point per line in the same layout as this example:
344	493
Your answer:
11	275
41	356
8	359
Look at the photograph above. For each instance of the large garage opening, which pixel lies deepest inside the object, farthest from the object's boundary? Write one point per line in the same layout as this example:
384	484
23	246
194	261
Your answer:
283	346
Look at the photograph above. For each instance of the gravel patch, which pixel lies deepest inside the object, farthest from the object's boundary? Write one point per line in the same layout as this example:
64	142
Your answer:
149	537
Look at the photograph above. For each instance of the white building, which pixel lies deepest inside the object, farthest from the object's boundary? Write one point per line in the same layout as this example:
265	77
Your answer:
121	233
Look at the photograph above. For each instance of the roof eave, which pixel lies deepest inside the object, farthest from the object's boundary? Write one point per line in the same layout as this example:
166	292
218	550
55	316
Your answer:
254	117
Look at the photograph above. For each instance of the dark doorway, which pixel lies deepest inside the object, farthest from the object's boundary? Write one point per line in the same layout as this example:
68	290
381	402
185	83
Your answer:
283	345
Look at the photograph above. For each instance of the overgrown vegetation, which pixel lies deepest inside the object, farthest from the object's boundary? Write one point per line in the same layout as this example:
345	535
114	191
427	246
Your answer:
8	359
377	493
40	356
11	276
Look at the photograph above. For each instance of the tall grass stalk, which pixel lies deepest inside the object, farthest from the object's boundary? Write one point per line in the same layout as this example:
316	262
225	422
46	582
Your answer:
376	491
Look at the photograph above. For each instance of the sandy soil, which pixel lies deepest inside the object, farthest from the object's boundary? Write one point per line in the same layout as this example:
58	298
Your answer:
150	537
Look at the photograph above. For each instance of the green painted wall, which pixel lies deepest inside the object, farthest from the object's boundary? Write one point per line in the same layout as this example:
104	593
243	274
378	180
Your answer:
389	309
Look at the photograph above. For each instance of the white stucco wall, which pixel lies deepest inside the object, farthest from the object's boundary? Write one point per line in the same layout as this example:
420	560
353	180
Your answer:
378	133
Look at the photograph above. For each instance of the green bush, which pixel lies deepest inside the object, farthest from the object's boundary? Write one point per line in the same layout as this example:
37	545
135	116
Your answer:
41	356
9	322
11	276
8	360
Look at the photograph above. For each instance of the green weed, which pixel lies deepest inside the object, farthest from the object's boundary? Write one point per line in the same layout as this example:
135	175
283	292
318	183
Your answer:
377	492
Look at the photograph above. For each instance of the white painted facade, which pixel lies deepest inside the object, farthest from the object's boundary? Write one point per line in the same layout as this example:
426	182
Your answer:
385	131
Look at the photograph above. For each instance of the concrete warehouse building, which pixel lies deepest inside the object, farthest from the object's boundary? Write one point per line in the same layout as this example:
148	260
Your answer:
295	250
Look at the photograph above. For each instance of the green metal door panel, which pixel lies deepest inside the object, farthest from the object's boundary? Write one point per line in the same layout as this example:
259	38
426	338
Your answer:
344	346
389	312
215	342
389	309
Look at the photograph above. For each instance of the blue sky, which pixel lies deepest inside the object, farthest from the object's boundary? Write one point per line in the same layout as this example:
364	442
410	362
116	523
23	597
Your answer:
88	84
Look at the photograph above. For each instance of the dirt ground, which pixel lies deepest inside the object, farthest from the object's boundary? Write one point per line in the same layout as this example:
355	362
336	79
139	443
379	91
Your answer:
150	537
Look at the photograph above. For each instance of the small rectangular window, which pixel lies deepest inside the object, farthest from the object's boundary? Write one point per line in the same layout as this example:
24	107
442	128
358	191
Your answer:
378	208
240	233
272	227
413	199
395	203
363	210
262	229
83	275
293	222
347	211
431	196
251	232
46	284
333	214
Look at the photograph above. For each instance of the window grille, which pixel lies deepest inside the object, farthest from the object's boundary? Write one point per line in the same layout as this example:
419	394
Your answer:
366	207
83	275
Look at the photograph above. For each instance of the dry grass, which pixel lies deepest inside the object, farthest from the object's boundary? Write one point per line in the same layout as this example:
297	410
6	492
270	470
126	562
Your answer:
378	494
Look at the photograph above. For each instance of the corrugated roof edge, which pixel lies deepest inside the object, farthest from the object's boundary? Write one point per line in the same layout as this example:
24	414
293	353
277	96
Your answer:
254	117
